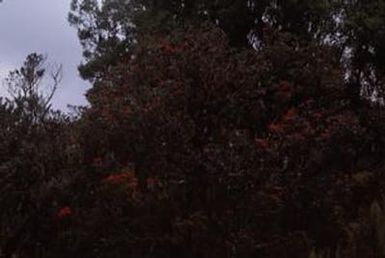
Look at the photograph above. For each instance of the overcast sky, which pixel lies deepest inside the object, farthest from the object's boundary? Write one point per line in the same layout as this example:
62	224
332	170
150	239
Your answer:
41	26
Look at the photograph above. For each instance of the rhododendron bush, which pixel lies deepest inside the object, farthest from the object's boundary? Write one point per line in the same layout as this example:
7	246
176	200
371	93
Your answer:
191	148
254	152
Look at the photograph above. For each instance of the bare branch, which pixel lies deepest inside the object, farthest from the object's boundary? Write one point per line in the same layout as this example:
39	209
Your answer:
56	74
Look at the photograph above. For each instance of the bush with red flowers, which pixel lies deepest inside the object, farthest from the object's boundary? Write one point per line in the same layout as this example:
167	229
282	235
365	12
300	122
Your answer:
190	148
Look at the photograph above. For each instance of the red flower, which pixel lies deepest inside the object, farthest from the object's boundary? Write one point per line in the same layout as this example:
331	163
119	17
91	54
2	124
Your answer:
318	114
167	47
64	212
98	162
152	182
290	114
183	46
275	128
284	86
262	143
125	177
115	178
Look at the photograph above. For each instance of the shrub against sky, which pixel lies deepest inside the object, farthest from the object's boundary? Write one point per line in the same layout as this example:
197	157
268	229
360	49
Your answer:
196	143
41	26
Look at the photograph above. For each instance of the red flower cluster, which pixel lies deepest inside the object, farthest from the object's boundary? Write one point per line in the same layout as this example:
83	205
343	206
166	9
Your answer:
64	212
290	115
284	86
275	128
152	182
127	177
98	162
170	48
262	143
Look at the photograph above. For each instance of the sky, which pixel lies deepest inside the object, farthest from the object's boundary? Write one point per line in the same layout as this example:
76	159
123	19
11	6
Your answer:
41	26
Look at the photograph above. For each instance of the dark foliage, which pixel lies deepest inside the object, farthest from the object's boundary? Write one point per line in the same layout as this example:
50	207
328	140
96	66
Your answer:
193	146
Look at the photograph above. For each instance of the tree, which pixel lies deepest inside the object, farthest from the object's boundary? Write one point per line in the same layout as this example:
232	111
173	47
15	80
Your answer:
35	157
108	31
354	27
232	150
193	148
364	30
25	86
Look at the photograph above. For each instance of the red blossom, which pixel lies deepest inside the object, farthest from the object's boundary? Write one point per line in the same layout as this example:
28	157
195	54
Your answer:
326	134
167	47
308	101
262	143
284	86
64	212
126	177
152	182
318	114
290	114
98	162
116	178
275	128
182	46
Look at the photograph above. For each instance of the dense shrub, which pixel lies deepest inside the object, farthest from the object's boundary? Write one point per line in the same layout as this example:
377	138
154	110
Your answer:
193	149
227	153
